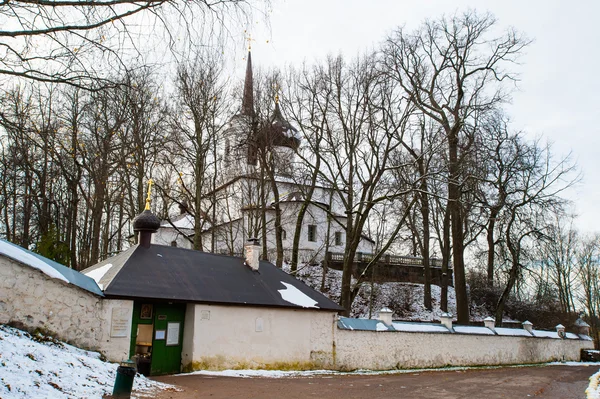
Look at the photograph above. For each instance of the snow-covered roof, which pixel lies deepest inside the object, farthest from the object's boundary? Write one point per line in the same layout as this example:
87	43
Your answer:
49	267
473	330
545	334
420	327
185	221
512	332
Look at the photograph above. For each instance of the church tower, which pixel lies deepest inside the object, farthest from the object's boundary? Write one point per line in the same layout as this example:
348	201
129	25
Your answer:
239	156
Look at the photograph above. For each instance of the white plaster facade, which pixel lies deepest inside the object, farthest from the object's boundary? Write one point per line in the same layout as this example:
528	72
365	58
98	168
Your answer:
218	336
237	217
72	314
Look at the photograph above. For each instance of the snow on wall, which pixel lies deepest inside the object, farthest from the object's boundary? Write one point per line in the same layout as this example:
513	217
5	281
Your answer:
37	301
17	253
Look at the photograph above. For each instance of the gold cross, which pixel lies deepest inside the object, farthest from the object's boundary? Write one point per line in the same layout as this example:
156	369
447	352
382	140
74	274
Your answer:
249	39
148	198
276	93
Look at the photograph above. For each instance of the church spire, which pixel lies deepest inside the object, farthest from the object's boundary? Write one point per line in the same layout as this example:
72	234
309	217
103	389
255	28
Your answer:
248	99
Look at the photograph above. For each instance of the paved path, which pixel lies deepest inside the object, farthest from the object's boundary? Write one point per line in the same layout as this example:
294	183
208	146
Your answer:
552	382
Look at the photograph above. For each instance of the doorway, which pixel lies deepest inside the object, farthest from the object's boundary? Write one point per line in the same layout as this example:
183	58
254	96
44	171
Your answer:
156	337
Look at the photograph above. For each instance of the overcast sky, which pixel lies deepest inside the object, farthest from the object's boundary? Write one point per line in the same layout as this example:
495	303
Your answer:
559	93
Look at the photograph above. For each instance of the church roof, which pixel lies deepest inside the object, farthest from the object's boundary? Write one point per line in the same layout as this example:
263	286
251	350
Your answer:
279	132
248	97
177	274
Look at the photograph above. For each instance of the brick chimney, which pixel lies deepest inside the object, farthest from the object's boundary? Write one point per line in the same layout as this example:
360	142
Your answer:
251	252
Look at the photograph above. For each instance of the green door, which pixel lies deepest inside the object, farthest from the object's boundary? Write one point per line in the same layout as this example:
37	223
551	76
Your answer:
167	338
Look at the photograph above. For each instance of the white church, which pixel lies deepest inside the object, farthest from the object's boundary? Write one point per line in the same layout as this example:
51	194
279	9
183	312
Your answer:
243	194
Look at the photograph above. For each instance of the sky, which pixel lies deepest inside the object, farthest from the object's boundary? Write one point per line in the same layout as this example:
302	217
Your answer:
557	98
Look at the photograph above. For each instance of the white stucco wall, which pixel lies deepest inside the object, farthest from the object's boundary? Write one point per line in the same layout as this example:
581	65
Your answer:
234	336
385	350
166	235
74	315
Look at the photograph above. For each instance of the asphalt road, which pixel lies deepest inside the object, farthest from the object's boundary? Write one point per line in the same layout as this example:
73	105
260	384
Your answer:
552	382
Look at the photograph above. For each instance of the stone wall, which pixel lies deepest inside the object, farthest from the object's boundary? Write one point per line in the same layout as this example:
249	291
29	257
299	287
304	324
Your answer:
30	298
385	350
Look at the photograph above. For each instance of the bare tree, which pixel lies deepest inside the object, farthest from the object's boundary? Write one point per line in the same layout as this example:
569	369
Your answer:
535	194
452	70
76	42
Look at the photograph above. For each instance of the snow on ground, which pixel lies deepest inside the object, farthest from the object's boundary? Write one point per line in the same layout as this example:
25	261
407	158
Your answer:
312	373
593	390
405	299
41	367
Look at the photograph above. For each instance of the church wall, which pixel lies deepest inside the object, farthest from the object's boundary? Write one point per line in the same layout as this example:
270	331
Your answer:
235	336
32	300
386	350
166	235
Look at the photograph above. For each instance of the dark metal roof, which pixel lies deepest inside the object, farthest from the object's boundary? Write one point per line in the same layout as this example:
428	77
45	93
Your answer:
347	323
173	273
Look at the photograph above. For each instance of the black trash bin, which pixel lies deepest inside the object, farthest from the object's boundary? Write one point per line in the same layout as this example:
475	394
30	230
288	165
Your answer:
124	381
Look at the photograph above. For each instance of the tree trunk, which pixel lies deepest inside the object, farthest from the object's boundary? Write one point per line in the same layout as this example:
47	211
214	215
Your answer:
456	219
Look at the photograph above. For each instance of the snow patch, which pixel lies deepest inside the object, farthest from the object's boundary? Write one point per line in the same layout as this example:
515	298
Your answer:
593	390
381	327
420	327
40	367
311	373
293	295
473	330
512	332
546	334
19	254
98	273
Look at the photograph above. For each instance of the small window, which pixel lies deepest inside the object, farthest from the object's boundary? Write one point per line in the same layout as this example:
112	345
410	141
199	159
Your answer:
312	233
283	234
173	243
338	238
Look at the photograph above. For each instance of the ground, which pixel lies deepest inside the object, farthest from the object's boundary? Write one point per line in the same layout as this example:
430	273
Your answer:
551	382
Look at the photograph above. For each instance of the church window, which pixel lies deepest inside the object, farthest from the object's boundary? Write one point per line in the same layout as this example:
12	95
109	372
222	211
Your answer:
283	234
312	233
173	243
338	238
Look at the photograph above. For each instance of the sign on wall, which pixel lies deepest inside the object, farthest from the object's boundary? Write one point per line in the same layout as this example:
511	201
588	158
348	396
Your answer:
172	334
120	323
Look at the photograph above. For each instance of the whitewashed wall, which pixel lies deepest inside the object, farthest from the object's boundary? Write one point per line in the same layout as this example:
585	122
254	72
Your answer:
233	336
385	350
166	235
29	297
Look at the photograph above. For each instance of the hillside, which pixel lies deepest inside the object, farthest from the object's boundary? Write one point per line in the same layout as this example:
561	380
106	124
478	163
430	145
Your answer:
36	366
405	299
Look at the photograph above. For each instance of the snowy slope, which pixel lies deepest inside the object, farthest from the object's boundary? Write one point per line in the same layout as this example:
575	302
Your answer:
405	299
40	367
